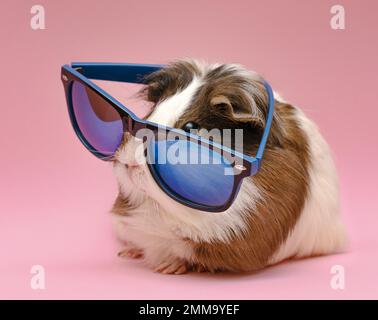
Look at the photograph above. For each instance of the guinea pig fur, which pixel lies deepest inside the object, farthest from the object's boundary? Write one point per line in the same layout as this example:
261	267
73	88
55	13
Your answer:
289	209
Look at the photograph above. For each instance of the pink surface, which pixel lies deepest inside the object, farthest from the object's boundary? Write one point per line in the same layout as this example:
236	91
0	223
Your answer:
54	196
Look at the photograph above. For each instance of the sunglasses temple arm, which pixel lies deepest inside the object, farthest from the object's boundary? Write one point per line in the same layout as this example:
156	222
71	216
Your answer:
122	72
269	119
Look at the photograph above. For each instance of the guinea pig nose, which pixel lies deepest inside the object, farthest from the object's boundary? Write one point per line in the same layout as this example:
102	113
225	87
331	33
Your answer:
190	126
132	165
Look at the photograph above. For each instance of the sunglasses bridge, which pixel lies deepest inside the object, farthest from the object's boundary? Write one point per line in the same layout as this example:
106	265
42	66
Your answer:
131	125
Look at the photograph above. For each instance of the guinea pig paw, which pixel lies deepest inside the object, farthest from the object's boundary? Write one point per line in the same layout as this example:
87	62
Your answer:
199	268
177	266
131	252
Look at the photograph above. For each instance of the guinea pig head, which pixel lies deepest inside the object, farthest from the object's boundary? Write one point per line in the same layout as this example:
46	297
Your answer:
190	95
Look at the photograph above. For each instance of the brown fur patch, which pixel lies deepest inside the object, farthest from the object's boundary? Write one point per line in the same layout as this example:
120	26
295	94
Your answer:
169	80
122	205
283	182
245	108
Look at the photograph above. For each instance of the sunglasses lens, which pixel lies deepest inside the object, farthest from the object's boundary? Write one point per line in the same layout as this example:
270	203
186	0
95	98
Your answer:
99	123
191	172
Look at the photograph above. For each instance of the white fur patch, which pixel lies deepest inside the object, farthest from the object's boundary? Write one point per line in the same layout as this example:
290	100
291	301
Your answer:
319	229
159	224
168	111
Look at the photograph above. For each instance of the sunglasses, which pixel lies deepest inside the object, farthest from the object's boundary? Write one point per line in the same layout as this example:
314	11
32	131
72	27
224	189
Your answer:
100	122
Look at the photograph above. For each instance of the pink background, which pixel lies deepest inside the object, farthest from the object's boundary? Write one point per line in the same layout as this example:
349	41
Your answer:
54	196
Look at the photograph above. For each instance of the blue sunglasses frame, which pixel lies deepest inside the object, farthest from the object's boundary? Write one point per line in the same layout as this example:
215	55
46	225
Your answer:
243	165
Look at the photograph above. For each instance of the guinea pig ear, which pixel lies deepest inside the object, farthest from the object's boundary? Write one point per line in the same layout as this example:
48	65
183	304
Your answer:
220	100
242	111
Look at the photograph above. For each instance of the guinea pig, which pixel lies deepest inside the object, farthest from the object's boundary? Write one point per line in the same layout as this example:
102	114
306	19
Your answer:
289	209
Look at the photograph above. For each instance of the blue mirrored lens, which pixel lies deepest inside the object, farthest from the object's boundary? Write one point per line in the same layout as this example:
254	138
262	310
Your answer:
192	172
98	121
